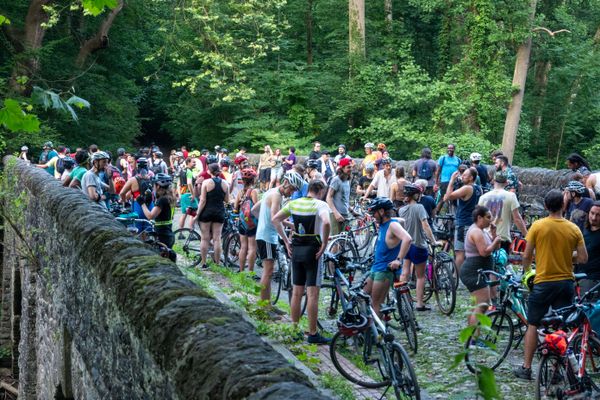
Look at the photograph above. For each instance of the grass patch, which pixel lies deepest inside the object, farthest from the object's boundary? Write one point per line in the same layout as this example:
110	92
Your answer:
341	387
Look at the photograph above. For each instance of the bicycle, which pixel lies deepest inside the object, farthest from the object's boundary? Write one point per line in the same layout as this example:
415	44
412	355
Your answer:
574	369
401	301
343	277
389	366
147	235
478	351
440	271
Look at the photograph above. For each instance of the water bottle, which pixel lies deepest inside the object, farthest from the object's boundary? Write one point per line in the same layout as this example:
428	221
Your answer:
429	270
301	229
573	361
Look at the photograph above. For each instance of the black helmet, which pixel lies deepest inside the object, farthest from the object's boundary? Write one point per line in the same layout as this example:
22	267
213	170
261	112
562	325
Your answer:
163	180
225	163
158	154
380	203
211	159
224	150
310	163
68	162
120	151
142	162
411	189
352	322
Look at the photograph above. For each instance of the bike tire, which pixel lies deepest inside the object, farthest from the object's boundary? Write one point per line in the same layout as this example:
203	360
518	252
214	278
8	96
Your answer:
277	280
349	351
445	291
187	245
502	336
363	234
407	319
344	246
231	250
407	385
552	378
592	359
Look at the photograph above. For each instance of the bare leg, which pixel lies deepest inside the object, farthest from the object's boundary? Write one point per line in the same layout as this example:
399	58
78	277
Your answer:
243	251
204	240
420	272
297	293
312	308
265	281
459	257
216	228
380	290
251	252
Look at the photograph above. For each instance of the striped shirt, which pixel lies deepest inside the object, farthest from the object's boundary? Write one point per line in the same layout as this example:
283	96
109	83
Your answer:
308	214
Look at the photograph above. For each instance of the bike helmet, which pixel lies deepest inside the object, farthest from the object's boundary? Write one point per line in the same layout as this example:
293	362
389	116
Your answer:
370	167
142	162
49	145
369	145
411	189
68	162
475	157
100	155
380	203
217	148
294	179
225	163
120	151
352	322
159	154
248	173
576	187
240	159
556	342
163	180
527	279
24	148
314	164
211	159
224	150
385	161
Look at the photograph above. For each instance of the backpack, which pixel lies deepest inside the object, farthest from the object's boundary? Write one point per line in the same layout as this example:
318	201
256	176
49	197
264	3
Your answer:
44	157
424	171
247	220
144	185
60	165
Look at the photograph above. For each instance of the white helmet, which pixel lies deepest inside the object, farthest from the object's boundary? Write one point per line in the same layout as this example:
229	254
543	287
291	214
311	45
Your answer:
475	157
369	145
294	179
100	155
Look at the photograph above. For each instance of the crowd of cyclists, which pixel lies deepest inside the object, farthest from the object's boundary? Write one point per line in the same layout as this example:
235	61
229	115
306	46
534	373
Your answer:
281	200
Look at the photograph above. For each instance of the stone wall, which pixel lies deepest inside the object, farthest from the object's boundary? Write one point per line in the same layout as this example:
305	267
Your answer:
102	317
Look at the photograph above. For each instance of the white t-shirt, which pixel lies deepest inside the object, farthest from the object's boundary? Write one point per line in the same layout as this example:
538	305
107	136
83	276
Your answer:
382	184
501	204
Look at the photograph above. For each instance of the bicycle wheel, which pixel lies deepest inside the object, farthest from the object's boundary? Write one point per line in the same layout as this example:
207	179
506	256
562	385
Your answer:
406	318
343	245
500	334
362	233
277	281
445	293
429	285
592	358
231	250
552	381
351	356
406	386
187	246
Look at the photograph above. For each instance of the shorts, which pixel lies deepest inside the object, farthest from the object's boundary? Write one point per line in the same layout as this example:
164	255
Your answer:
468	272
443	189
276	173
244	232
306	269
216	216
382	276
336	226
266	251
186	202
264	175
557	294
460	232
417	255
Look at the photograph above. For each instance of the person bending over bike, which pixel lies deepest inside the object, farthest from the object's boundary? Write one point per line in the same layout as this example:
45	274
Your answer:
393	244
164	208
309	240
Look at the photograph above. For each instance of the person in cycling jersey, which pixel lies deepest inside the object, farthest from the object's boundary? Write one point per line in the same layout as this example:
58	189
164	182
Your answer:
91	184
418	228
163	210
266	231
554	240
575	205
245	199
391	248
309	240
214	193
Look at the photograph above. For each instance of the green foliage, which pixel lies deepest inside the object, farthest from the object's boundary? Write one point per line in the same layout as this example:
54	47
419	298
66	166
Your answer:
14	118
340	386
96	7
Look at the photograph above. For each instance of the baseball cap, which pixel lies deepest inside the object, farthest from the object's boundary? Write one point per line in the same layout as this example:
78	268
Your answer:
345	161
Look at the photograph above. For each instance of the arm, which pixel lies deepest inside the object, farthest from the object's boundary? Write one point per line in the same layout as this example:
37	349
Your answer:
483	249
336	214
428	231
461	193
256	209
399	232
393	190
528	255
582	255
150	214
372	185
126	190
326	224
92	194
519	222
202	198
225	188
590	183
67	181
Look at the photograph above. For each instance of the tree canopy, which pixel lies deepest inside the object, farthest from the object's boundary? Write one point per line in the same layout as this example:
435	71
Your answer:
202	72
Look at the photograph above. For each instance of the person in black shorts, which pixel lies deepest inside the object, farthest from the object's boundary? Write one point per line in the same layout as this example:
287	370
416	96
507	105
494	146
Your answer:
309	241
245	200
214	193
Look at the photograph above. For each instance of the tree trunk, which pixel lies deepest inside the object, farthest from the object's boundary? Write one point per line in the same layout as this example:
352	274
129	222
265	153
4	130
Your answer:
100	39
511	125
357	29
309	32
542	70
31	38
389	19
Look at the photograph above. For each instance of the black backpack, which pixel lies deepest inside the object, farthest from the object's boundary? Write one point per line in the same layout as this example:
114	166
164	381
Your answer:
60	165
425	172
144	184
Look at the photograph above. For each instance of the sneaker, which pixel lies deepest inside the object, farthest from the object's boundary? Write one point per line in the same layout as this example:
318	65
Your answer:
204	266
522	373
317	338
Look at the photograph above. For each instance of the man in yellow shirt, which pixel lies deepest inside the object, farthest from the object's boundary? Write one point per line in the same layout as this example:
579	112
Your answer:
370	156
554	240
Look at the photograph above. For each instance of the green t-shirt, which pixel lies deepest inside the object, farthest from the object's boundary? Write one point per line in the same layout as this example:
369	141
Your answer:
77	173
